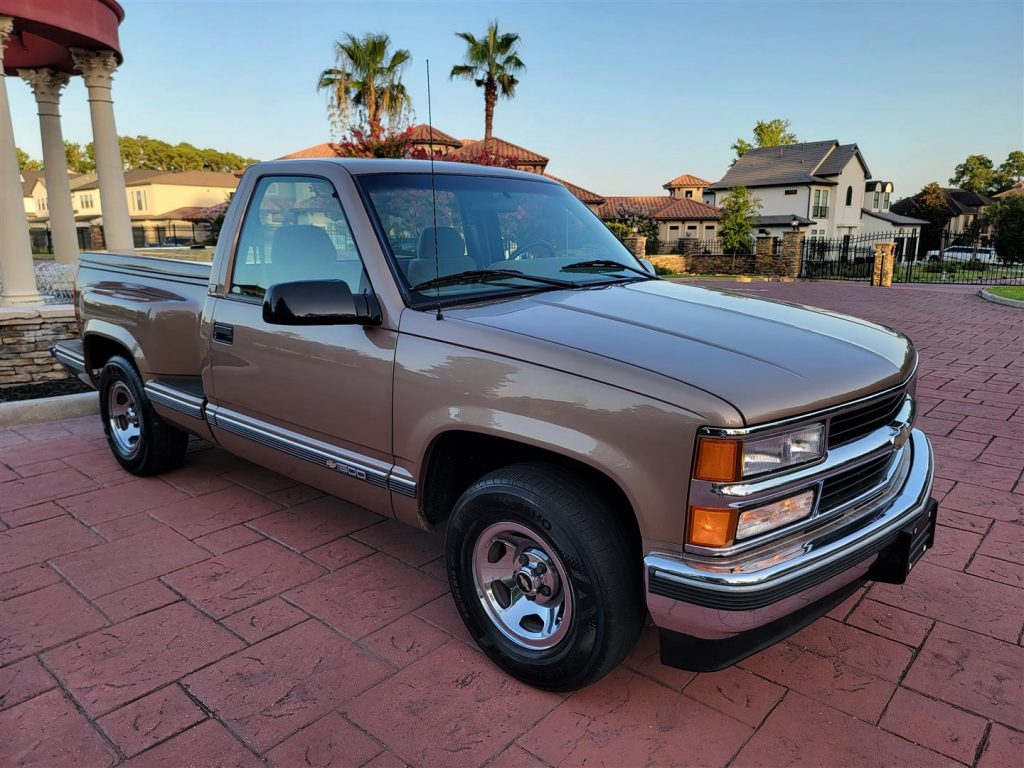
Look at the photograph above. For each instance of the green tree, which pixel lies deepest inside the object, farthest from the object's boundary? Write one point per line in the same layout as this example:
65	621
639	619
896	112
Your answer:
767	133
367	80
26	163
977	174
492	63
1011	170
79	158
738	219
1006	217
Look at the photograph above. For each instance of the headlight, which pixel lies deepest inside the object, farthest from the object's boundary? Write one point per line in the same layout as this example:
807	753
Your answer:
761	519
721	527
725	460
787	449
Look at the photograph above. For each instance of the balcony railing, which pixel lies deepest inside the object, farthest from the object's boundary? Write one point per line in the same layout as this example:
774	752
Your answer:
819	211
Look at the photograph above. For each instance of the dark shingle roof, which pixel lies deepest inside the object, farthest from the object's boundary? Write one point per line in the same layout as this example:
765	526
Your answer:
893	218
782	219
791	164
958	202
28	181
838	159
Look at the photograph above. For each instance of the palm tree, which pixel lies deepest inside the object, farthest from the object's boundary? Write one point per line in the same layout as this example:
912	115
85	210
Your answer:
492	63
368	78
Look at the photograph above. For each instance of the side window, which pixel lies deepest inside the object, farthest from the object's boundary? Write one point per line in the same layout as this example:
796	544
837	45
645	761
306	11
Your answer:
294	229
849	195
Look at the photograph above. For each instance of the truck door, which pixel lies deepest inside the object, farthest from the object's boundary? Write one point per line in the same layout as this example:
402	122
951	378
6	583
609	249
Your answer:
310	402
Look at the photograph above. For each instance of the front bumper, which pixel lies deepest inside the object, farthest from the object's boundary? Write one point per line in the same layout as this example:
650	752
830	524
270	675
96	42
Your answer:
769	596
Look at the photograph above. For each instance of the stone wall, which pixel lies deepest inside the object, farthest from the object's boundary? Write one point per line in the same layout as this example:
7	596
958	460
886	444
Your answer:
26	335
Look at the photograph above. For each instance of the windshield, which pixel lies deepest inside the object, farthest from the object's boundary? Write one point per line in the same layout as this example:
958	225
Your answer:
496	224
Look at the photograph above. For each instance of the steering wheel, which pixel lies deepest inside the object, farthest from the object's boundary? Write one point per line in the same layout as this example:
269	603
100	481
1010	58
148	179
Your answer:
514	256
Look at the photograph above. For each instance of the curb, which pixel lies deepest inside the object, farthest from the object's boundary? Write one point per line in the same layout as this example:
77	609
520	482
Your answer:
1000	299
49	409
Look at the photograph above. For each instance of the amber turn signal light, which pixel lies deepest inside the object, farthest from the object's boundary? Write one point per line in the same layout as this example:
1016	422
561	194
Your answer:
718	461
711	527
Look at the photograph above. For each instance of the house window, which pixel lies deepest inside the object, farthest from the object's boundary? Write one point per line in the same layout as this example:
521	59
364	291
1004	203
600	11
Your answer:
790	192
709	227
86	202
691	227
885	201
689	194
849	195
673	227
139	198
820	208
41	203
874	201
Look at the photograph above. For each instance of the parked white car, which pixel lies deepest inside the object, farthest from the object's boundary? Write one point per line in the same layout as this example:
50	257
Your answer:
965	253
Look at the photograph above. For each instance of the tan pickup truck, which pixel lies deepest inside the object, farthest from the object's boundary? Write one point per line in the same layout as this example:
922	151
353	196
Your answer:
472	348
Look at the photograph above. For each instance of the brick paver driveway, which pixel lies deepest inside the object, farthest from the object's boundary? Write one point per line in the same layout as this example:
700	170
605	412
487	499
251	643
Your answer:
222	615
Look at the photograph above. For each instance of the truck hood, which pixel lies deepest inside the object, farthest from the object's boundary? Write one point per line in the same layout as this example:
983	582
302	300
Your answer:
768	359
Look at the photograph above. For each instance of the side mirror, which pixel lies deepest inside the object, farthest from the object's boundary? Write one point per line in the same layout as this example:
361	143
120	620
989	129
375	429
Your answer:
319	302
649	266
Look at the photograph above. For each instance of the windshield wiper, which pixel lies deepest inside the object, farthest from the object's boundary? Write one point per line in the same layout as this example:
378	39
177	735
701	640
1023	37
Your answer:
606	264
484	275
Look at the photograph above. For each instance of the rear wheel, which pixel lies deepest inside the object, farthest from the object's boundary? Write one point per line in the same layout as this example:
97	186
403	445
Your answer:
542	575
142	442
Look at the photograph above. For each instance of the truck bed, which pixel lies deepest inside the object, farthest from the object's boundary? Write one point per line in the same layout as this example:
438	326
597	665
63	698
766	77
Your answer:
150	306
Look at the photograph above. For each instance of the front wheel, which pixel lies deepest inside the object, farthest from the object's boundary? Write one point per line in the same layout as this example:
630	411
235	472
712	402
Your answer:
142	442
542	574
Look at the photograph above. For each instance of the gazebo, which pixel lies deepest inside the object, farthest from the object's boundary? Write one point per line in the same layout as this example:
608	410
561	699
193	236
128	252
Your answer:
45	44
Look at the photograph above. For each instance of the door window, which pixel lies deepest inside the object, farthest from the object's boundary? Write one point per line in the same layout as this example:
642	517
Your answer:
294	229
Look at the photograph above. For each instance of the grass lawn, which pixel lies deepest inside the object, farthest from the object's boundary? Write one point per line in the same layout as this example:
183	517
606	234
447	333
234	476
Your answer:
1008	291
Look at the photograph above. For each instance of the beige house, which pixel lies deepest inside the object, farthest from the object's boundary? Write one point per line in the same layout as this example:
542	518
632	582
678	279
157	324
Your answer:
160	203
1016	189
155	197
680	214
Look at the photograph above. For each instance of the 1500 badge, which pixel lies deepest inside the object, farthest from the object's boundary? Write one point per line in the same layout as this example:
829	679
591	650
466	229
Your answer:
345	469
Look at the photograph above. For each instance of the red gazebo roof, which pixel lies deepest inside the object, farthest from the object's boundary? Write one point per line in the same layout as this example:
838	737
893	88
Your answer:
45	32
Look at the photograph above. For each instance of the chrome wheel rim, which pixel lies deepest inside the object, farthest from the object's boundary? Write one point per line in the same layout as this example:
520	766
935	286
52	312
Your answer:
123	419
522	586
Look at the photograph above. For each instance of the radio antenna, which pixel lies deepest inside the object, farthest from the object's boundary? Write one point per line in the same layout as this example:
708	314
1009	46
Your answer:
433	194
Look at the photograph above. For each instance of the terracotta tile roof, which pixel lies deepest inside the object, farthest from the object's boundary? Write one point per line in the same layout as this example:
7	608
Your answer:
327	149
501	148
686	180
585	195
681	209
420	134
659	207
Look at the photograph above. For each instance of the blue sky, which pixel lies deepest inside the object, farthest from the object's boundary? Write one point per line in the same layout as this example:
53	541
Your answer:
621	96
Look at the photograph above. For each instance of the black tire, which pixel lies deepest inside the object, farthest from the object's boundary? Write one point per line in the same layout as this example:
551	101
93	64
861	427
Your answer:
159	447
590	546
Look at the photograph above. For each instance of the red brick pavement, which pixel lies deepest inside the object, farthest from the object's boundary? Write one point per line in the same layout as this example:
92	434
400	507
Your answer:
222	615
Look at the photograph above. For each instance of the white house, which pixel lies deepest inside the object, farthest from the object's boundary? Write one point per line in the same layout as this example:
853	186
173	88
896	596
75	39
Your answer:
819	187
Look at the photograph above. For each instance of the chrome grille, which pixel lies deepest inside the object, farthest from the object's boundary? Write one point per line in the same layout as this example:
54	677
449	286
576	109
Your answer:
847	426
847	486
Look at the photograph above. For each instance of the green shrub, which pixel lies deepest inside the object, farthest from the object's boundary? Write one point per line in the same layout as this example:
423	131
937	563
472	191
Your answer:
619	229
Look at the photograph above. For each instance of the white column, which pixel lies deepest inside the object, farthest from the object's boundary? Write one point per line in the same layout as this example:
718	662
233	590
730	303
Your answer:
16	269
47	85
97	67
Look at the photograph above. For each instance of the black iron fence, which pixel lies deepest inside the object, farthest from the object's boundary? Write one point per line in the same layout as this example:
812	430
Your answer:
148	236
955	258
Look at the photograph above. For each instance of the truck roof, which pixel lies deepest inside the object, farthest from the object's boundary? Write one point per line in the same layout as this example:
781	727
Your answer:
360	166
